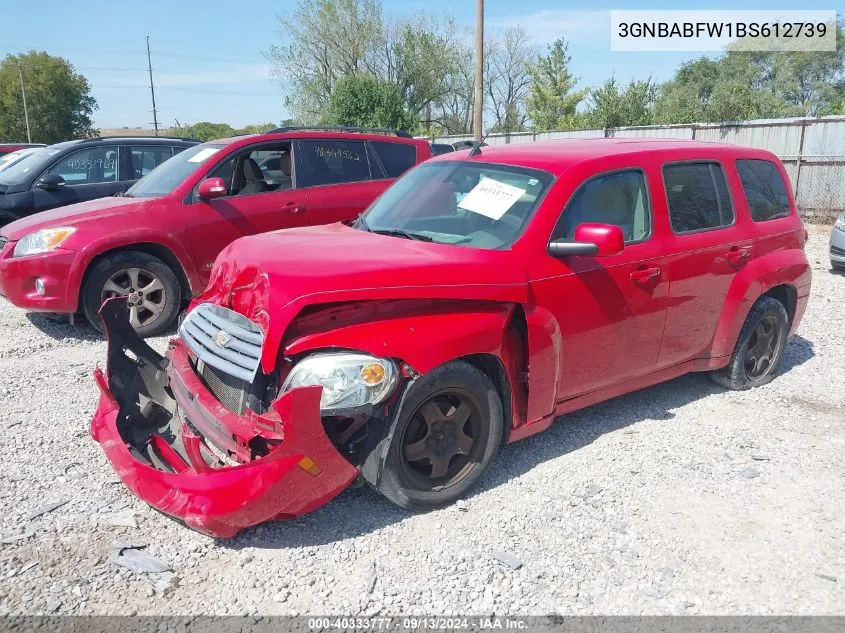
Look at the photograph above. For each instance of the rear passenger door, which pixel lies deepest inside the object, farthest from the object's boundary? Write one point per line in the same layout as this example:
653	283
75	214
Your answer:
343	178
707	252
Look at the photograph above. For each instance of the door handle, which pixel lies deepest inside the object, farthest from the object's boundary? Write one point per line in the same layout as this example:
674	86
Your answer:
295	209
737	255
645	276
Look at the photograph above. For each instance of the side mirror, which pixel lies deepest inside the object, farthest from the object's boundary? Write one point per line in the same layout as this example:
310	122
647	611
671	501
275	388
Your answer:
212	188
597	240
50	182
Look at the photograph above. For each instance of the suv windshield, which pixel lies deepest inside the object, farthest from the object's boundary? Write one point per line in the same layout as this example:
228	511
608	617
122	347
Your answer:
481	205
171	173
34	162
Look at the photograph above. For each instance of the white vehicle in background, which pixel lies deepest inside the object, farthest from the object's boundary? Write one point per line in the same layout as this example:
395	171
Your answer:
7	160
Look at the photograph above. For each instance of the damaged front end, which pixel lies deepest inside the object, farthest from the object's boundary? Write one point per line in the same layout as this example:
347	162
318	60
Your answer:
163	425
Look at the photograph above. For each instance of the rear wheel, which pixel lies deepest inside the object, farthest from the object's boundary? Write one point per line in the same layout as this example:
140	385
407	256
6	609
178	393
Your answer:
449	430
759	348
149	285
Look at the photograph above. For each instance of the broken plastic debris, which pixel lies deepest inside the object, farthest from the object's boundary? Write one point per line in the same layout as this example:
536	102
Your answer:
47	508
507	559
133	558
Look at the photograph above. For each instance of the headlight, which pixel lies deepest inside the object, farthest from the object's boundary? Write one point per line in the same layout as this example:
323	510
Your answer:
42	241
347	379
840	222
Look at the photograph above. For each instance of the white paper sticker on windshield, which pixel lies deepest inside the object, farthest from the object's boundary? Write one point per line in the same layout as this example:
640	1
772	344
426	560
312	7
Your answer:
203	154
491	198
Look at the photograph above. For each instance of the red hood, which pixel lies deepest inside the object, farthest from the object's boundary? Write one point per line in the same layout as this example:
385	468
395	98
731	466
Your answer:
271	277
76	214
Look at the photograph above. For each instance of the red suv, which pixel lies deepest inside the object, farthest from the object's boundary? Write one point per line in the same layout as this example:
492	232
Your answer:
483	295
156	244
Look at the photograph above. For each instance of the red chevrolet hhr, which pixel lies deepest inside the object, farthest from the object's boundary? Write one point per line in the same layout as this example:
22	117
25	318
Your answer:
483	295
156	244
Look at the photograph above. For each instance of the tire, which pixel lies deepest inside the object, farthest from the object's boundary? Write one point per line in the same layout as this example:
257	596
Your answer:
428	425
116	274
749	367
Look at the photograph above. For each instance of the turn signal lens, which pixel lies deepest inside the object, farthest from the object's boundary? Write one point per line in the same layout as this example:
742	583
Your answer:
372	374
309	466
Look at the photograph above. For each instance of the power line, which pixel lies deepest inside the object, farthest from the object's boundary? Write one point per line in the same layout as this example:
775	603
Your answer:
170	54
25	111
199	90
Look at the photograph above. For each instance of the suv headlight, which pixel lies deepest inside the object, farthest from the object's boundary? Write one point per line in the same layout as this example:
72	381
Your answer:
348	379
840	222
42	241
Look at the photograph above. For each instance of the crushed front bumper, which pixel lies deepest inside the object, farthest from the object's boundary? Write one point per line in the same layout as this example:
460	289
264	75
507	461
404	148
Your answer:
164	432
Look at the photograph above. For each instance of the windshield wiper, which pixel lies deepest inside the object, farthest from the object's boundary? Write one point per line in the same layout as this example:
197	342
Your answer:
360	223
401	233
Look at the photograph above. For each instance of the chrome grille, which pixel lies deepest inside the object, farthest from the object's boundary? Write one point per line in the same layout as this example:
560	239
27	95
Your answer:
3	241
223	339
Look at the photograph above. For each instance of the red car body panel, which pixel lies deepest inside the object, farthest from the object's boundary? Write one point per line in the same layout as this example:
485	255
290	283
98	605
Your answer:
565	332
191	233
223	501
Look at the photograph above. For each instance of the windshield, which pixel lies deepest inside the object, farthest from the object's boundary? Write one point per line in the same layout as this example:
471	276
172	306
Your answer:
171	173
7	160
480	205
35	161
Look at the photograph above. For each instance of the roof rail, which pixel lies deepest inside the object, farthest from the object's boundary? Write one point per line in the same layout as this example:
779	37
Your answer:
339	128
143	138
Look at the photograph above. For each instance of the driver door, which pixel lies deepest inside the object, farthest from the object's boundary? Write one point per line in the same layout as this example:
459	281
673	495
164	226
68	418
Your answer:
261	198
610	310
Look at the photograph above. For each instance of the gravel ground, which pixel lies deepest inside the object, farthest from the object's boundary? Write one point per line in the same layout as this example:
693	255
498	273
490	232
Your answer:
682	498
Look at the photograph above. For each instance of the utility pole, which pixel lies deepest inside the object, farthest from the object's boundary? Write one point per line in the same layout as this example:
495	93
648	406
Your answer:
152	87
25	111
478	106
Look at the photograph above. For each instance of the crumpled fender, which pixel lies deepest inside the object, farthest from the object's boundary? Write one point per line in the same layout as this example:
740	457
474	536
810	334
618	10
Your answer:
757	277
424	341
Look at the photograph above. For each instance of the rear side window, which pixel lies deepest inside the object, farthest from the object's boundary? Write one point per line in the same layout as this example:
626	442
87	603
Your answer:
396	158
619	198
328	162
764	189
146	158
698	197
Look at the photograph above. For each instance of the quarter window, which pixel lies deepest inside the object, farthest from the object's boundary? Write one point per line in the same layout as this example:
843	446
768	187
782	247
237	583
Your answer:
765	190
620	198
327	162
396	158
88	166
698	197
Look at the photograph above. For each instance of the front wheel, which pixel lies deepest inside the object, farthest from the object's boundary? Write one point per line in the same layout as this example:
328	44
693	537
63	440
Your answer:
450	427
151	289
759	348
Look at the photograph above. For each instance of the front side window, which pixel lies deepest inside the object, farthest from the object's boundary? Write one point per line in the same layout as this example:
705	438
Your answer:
620	198
328	162
698	197
146	158
88	166
173	172
765	190
261	169
481	205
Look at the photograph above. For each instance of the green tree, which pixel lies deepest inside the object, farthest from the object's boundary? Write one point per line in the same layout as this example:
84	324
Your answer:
553	100
204	130
58	99
328	40
614	106
365	101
